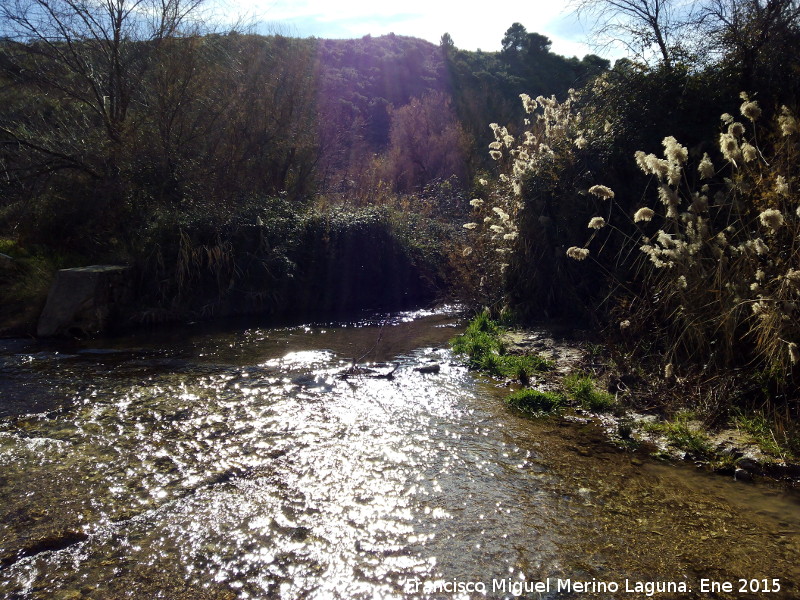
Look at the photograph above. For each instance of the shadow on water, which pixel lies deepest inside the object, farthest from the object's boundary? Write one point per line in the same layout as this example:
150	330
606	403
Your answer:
236	463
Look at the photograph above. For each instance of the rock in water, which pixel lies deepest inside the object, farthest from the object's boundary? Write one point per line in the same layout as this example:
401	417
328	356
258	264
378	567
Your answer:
82	301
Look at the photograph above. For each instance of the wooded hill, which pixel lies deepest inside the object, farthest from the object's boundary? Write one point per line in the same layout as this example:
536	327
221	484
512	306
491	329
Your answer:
153	145
90	128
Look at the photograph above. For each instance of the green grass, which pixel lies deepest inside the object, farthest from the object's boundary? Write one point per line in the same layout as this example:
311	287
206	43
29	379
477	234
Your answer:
534	401
521	366
757	425
481	343
583	389
682	436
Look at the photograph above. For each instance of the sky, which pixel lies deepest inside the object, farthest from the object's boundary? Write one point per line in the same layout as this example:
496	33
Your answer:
471	24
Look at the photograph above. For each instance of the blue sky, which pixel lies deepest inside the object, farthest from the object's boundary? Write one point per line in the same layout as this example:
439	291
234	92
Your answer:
472	24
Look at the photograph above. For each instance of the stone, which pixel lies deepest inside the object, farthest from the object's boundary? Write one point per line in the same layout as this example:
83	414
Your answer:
748	464
84	301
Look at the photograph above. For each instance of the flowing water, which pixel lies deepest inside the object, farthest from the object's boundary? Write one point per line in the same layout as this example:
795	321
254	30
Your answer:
198	464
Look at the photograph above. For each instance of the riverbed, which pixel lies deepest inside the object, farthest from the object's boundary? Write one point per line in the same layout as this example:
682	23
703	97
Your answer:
236	461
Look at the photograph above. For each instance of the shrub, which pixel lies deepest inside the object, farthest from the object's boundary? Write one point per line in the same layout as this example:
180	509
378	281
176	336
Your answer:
25	279
707	260
719	263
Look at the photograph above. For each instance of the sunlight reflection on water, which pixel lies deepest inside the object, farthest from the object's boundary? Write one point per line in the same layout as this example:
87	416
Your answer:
243	465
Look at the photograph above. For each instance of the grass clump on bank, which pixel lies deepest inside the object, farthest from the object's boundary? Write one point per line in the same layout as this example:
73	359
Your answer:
683	435
485	349
583	390
758	427
481	337
535	401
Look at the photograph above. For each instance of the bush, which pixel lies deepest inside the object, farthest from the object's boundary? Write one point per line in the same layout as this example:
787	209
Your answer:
362	258
210	260
25	280
705	261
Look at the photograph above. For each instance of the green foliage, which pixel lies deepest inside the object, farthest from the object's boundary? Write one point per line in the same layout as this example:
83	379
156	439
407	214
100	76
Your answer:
486	85
688	439
267	255
480	342
697	260
723	463
483	345
475	345
350	258
583	389
24	282
682	435
158	152
522	367
594	351
757	425
207	118
482	322
11	248
512	366
535	401
209	259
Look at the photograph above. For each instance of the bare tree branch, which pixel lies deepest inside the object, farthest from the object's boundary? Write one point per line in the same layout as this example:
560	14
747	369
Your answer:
642	26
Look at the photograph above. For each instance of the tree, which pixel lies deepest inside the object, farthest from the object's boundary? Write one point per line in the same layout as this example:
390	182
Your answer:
515	40
641	25
446	42
93	57
756	38
538	43
426	143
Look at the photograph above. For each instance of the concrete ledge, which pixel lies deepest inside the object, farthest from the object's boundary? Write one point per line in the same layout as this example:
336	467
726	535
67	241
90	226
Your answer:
82	301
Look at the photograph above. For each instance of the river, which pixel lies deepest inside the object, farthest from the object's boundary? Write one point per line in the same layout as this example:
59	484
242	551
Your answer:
227	462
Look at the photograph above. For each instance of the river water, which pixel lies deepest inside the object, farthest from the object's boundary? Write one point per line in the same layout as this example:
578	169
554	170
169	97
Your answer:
202	462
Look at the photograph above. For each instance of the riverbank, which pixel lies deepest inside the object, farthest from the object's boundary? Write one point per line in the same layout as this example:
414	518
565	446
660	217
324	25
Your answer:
279	260
660	416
